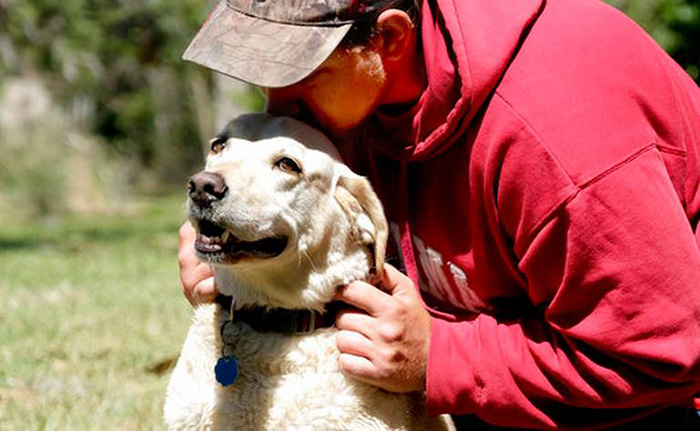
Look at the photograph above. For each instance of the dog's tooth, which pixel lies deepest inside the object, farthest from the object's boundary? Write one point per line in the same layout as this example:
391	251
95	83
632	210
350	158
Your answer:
224	236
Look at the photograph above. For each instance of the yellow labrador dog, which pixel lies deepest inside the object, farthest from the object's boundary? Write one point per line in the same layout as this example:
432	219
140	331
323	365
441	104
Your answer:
284	223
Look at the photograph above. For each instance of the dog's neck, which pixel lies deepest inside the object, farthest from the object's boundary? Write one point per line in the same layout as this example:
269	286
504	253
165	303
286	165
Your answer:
309	281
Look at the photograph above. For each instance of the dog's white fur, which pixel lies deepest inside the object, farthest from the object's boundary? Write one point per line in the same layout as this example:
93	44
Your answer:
336	233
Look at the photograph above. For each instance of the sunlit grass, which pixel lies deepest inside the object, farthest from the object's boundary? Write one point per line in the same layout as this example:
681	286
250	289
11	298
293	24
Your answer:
90	307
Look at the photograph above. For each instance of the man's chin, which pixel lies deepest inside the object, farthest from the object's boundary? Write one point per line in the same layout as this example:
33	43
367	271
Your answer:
333	131
345	133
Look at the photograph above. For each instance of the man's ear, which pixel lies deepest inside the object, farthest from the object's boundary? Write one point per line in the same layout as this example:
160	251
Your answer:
355	195
395	28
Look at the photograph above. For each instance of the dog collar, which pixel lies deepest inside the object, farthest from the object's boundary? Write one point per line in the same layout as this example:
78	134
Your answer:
281	320
276	320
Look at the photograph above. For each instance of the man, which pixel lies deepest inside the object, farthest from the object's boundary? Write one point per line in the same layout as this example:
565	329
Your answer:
539	162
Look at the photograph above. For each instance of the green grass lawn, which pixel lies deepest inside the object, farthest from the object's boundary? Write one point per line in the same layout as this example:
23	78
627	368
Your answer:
91	307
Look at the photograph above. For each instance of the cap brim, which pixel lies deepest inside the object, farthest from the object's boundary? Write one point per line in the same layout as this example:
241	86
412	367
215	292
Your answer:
264	53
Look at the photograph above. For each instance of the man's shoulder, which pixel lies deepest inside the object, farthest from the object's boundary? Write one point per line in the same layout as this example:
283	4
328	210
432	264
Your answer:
592	87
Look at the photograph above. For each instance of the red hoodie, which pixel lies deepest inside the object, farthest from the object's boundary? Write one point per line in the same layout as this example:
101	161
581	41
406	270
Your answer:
545	194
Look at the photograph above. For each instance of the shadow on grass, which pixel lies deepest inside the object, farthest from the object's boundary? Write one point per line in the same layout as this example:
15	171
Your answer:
89	234
7	245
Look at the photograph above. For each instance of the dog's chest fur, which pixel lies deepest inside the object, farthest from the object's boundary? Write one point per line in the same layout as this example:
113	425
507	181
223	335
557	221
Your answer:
284	382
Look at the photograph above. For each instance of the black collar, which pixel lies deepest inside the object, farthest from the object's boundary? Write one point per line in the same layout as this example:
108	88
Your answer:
281	320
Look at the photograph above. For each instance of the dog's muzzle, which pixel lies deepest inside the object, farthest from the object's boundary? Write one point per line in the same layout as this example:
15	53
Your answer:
215	242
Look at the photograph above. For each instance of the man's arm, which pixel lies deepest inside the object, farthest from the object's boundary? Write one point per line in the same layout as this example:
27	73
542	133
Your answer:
616	272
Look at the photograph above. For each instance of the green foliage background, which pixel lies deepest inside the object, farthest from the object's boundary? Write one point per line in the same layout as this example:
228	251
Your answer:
114	67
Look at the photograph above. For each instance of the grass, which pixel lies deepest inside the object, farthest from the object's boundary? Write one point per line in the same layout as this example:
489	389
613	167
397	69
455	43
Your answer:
92	314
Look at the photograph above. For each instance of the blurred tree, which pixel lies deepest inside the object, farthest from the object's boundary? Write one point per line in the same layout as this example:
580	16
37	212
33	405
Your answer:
115	68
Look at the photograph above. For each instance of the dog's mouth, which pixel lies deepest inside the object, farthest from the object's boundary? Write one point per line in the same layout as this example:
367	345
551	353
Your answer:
216	243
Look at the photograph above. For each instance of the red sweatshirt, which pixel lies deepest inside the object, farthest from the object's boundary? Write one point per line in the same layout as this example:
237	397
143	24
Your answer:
545	194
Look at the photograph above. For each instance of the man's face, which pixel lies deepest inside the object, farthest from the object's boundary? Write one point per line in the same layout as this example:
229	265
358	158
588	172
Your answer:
338	96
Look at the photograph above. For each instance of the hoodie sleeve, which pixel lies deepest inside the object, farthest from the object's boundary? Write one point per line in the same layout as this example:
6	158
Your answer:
616	270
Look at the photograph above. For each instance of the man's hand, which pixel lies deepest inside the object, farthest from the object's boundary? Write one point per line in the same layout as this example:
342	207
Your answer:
196	277
385	341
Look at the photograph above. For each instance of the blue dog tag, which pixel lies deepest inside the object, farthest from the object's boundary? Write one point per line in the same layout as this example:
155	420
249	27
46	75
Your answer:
226	371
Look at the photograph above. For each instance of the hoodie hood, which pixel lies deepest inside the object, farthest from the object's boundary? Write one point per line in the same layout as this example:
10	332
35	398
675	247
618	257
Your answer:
467	46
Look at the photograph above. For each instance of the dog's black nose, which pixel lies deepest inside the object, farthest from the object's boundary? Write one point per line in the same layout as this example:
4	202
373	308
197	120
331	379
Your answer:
207	187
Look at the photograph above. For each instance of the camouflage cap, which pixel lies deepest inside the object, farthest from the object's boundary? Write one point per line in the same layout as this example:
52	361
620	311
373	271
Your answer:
275	43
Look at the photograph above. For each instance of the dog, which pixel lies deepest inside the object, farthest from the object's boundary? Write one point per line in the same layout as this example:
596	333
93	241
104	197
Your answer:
284	223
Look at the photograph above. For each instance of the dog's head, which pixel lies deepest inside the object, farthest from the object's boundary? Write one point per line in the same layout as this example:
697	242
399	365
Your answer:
275	206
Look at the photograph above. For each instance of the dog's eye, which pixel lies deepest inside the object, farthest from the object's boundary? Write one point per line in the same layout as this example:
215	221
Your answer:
288	165
217	145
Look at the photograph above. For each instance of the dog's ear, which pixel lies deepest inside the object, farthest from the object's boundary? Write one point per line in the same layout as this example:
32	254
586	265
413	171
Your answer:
355	195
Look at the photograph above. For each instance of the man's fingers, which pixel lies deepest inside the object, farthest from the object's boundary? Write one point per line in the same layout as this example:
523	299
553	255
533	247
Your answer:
363	296
355	320
187	232
186	256
193	274
197	278
205	291
357	367
353	343
393	278
199	285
